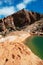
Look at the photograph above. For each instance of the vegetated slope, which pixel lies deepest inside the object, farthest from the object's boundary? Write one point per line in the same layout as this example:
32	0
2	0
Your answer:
19	20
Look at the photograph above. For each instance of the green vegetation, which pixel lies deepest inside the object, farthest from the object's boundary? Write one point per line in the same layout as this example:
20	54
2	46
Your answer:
35	43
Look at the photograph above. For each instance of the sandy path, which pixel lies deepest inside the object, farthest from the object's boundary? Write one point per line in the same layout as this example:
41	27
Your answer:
17	37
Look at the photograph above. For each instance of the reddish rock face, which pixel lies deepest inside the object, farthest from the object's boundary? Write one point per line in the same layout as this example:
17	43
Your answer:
9	23
34	17
2	26
20	19
24	17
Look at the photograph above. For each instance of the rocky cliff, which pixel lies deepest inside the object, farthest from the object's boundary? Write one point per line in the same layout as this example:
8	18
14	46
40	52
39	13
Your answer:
19	20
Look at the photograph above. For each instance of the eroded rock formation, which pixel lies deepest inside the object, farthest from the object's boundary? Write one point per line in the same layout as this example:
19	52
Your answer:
19	20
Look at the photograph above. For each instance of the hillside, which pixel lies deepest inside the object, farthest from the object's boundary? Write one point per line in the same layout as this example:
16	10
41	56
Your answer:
20	20
14	30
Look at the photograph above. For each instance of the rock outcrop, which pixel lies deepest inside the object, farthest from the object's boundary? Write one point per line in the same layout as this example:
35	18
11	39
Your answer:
36	27
19	20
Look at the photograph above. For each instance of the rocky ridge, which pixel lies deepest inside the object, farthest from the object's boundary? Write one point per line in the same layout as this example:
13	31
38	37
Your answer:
19	20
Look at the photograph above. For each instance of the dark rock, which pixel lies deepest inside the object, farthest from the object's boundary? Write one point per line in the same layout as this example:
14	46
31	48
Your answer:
21	20
2	26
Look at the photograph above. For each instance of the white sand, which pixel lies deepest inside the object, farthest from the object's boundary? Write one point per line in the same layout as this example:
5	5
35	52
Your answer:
16	38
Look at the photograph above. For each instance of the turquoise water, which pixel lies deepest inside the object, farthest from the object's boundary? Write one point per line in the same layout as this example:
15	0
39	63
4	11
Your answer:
35	43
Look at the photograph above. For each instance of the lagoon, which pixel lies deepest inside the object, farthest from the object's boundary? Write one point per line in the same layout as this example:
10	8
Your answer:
35	43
